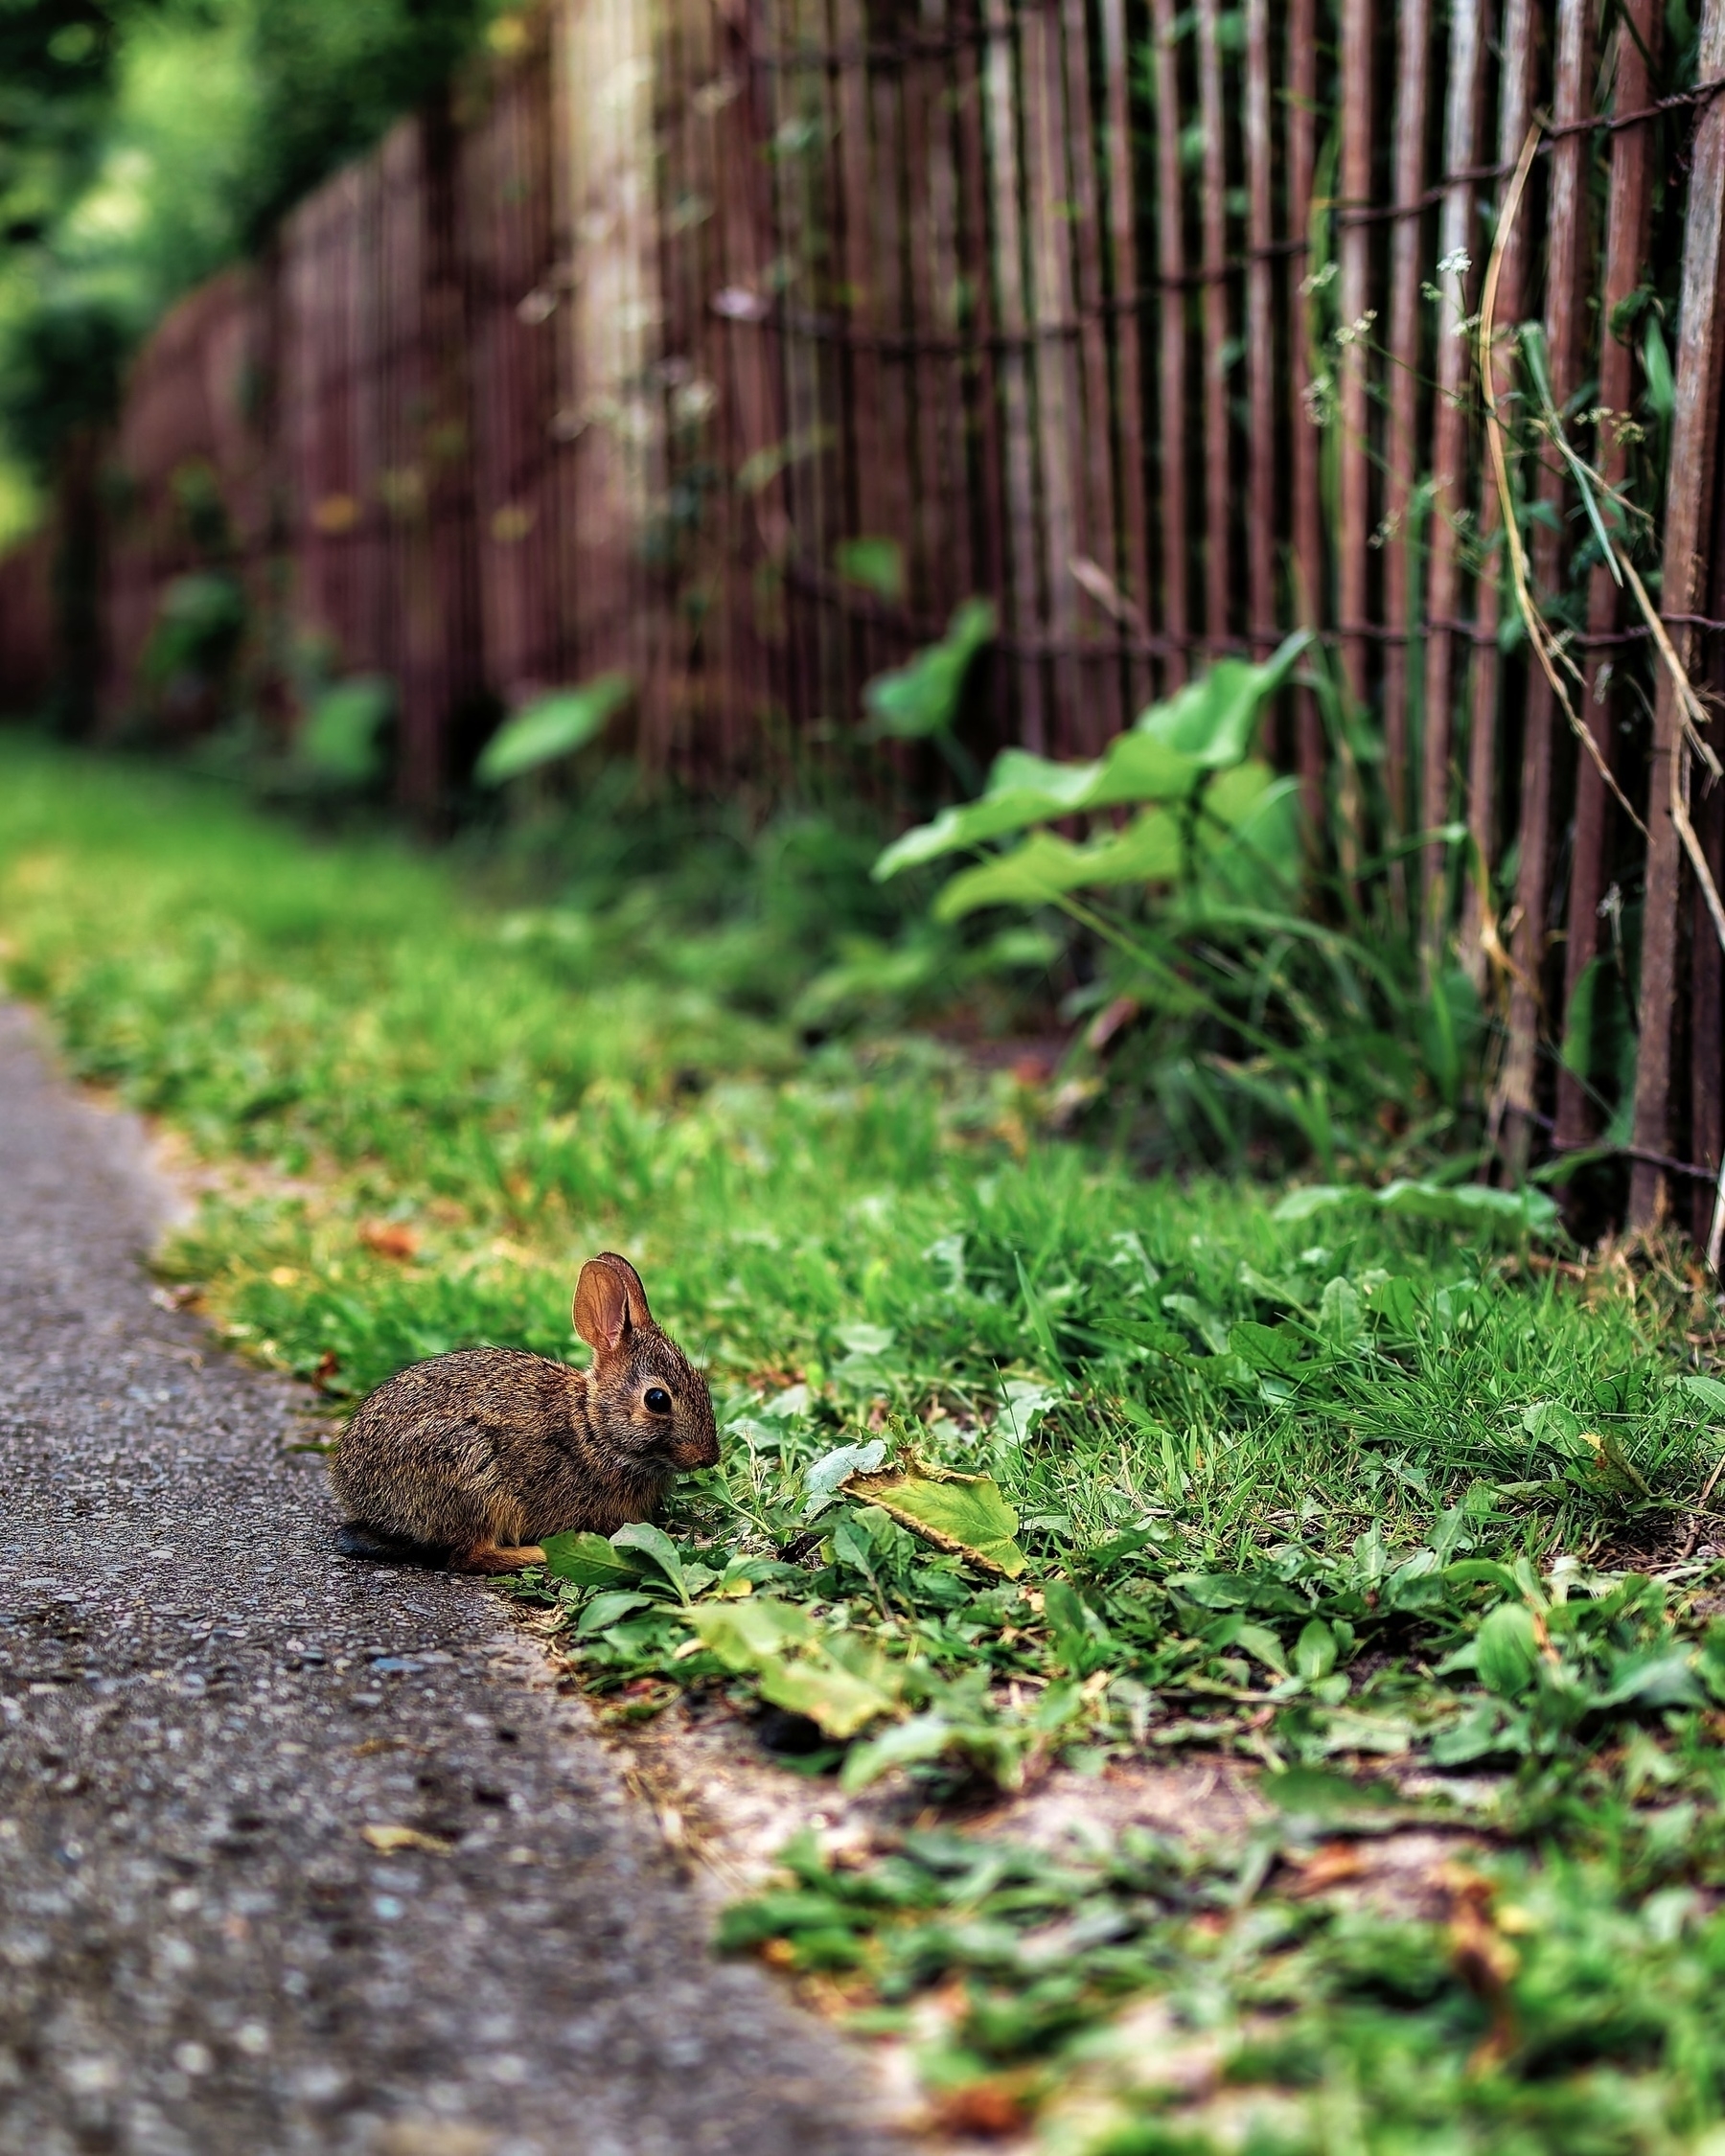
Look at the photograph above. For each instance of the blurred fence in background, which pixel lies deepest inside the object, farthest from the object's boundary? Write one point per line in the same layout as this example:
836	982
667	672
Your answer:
733	342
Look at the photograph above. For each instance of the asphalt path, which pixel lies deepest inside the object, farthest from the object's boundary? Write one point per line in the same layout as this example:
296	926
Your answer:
203	1709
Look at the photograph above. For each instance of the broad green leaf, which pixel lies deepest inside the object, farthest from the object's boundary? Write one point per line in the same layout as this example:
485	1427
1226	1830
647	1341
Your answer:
963	1514
1348	1730
1023	1402
1081	1639
605	1610
1263	1645
1472	1205
1259	862
774	1915
1047	867
1207	727
1037	873
1023	790
1709	1392
343	736
589	1561
1481	1731
1237	1590
744	1634
921	698
1662	383
1313	1792
1138	767
1340	1315
825	1474
775	1642
839	1703
1663	1678
1275	1349
867	1340
1398	1306
657	1547
555	727
1507	1651
990	818
1315	1651
1017	771
1233	796
1315	1198
1469	1204
923	1736
877	564
1213	718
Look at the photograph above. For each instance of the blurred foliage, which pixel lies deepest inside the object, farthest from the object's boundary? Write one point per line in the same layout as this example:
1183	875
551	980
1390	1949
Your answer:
329	77
553	729
143	142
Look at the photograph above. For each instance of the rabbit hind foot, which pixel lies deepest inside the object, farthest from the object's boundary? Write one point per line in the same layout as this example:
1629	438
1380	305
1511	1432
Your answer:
492	1557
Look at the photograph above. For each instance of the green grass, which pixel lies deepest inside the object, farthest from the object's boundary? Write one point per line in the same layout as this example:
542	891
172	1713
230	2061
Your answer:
1355	1492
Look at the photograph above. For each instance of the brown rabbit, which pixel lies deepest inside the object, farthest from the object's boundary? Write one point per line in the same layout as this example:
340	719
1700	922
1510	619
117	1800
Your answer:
469	1458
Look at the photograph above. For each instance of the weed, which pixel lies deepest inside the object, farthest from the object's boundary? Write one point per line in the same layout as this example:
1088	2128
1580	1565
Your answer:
1340	1484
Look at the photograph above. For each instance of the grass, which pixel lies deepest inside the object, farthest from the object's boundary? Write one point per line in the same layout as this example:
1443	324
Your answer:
1331	1486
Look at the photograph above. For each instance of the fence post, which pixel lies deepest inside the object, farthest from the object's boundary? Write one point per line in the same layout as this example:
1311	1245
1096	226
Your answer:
1514	108
1449	437
1565	249
1354	409
1170	264
1307	565
1412	68
1628	217
1687	492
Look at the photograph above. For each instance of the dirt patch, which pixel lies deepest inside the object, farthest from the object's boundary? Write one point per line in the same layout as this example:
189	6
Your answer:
725	1804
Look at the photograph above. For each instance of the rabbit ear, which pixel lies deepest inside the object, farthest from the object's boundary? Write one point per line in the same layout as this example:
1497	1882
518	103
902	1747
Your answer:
610	1299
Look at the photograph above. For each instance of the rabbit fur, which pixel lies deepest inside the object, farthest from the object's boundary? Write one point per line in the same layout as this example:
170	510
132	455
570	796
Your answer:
471	1458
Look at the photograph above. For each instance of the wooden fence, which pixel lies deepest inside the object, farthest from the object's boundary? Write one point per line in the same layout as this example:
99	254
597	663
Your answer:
1159	328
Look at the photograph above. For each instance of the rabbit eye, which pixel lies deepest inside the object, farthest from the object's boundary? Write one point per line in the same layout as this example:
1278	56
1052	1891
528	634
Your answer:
658	1400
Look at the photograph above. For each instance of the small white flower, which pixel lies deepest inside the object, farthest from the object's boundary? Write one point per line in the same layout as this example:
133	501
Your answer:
1456	263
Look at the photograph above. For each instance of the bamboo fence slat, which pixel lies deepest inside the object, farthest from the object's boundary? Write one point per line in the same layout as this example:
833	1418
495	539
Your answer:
1515	104
1008	277
1261	356
974	308
1565	236
892	312
1171	261
1128	357
1405	345
1628	213
1449	440
1100	712
1694	434
1218	583
1354	405
1057	403
1306	566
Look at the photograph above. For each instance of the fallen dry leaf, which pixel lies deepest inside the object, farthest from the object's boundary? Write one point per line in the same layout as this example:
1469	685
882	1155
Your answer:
988	2110
1483	1957
1328	1867
389	1238
391	1839
1114	1017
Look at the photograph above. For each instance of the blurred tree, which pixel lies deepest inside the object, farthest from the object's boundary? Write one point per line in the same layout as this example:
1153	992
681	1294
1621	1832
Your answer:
332	75
142	143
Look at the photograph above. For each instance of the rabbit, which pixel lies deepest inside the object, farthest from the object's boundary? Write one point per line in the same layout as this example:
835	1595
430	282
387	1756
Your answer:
469	1460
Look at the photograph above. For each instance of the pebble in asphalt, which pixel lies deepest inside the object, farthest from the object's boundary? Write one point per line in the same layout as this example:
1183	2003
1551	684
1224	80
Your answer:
203	1707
